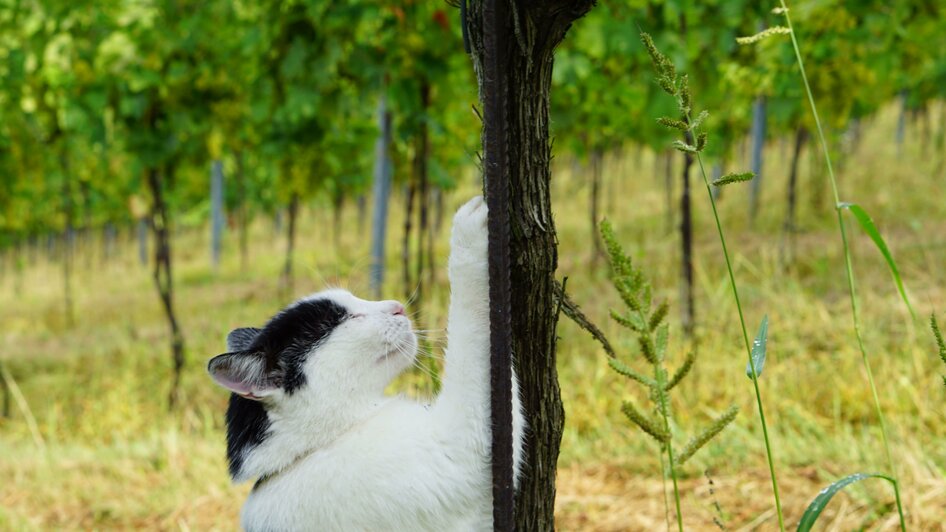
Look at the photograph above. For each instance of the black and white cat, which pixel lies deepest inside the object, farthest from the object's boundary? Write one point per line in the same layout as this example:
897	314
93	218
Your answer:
309	420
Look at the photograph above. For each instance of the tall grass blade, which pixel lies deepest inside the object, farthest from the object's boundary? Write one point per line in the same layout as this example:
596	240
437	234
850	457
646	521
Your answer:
847	261
867	224
824	497
757	359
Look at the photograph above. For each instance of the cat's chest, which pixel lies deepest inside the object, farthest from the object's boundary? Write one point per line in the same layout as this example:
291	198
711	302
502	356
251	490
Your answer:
398	472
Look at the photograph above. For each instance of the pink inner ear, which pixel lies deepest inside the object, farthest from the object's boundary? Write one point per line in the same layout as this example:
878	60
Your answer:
237	387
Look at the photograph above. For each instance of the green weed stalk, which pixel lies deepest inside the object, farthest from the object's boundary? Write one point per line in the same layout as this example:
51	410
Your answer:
679	88
855	311
647	323
940	343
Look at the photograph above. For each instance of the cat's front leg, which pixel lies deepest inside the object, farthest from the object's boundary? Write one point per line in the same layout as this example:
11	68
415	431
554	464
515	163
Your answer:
464	402
466	375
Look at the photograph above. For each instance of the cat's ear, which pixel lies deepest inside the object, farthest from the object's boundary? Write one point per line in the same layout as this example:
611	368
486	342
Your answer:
244	373
241	339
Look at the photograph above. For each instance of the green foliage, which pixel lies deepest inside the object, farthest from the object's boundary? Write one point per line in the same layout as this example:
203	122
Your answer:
684	104
757	360
652	335
695	443
818	505
867	224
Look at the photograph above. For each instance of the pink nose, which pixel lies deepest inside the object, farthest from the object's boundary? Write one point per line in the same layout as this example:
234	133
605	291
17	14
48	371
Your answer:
397	309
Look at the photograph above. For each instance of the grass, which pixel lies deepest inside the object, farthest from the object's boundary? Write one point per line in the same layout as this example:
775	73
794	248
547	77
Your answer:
114	458
855	311
667	79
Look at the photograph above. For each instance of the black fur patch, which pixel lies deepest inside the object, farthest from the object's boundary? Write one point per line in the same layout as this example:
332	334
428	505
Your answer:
289	336
285	342
247	424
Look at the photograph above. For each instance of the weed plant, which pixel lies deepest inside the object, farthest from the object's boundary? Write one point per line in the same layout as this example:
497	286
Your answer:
940	343
648	323
871	230
678	87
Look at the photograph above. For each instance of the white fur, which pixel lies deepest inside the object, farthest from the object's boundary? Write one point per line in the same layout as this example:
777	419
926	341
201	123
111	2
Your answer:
342	456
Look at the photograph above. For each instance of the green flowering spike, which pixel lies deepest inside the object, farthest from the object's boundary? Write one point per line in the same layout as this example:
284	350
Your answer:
645	423
698	121
631	321
684	95
645	298
664	66
701	141
764	34
679	145
708	433
629	372
939	341
682	371
660	342
658	316
673	123
729	179
647	348
628	296
667	85
620	263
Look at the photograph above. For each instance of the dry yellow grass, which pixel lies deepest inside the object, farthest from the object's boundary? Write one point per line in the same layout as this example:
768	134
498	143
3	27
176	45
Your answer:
115	459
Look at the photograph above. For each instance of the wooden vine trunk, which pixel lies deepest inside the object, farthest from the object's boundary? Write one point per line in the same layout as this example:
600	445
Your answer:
163	278
526	34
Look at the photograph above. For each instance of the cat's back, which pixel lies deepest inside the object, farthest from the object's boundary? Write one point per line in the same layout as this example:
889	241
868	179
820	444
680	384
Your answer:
395	471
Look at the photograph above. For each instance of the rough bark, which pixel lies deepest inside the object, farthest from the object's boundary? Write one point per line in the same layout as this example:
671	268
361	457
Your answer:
529	32
163	278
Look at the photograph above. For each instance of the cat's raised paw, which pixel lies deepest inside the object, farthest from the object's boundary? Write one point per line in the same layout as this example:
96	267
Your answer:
469	224
469	239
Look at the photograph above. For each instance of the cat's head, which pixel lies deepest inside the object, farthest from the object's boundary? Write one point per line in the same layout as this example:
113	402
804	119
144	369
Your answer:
328	344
